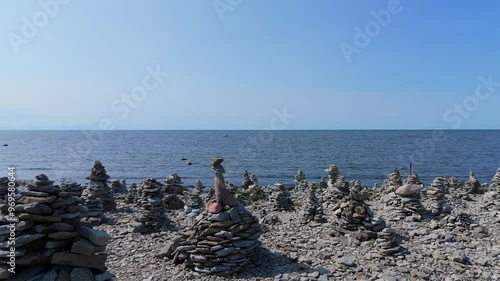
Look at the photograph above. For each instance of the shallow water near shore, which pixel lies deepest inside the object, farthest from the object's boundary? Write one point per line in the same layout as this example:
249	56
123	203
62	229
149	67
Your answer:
272	155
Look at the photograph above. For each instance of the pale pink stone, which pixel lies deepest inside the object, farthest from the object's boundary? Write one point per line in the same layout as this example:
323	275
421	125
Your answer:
408	189
214	207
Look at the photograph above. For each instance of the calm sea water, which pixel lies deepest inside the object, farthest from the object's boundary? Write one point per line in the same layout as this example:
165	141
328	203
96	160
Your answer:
272	155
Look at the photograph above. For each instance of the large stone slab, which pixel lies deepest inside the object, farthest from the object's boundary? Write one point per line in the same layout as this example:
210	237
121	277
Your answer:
71	259
98	237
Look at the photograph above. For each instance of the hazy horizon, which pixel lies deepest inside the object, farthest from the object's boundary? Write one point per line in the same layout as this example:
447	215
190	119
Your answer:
249	65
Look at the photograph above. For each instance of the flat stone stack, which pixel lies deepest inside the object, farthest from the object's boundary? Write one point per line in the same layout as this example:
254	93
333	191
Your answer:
300	180
386	242
151	216
436	196
404	202
339	190
281	199
313	211
173	184
132	194
413	179
194	203
246	182
333	173
455	183
50	242
392	182
117	187
220	244
198	185
173	202
473	186
4	188
353	214
71	186
496	181
460	222
323	185
255	181
97	196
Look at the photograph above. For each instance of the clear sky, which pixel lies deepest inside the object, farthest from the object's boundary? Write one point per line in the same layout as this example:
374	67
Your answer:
233	64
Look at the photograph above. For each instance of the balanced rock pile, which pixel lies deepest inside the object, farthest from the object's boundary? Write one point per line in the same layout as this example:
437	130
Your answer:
97	196
413	179
496	181
386	242
405	202
198	185
473	186
117	187
300	180
194	203
132	194
151	216
281	199
393	182
246	182
225	239
313	211
173	202
50	243
333	173
68	185
337	191
437	197
353	214
4	188
173	184
455	183
460	222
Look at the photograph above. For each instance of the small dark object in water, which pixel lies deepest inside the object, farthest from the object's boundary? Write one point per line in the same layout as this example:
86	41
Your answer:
189	163
5	145
184	159
226	136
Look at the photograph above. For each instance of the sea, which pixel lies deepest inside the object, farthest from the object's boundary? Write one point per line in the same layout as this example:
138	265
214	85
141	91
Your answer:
365	155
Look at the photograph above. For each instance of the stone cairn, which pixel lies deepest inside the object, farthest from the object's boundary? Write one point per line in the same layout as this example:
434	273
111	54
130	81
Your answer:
131	194
455	183
50	242
151	216
4	188
322	184
281	199
198	185
405	202
246	182
413	179
300	180
255	181
173	202
392	182
68	185
194	203
437	197
313	211
351	214
97	196
173	184
117	187
496	181
337	191
460	222
387	243
473	186
333	174
225	238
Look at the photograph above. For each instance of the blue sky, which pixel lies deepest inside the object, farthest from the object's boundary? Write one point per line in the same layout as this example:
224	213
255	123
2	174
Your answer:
232	64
